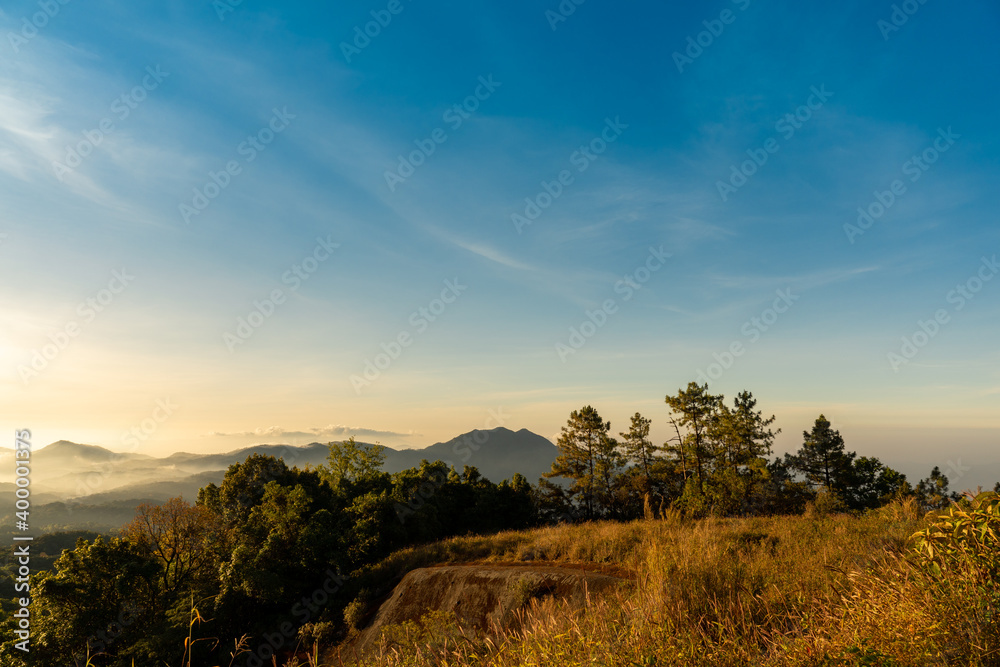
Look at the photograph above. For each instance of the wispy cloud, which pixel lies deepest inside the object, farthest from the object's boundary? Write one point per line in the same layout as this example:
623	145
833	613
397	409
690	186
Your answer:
803	281
44	111
493	255
329	431
26	136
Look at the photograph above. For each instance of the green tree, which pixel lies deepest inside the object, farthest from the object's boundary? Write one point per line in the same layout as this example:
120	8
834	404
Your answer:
376	527
782	492
694	410
741	440
640	451
513	504
822	458
102	598
182	538
589	457
553	503
243	486
283	529
418	499
873	484
280	554
352	462
932	492
288	537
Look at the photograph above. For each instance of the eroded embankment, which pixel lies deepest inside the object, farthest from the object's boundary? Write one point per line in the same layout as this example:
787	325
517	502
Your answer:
481	596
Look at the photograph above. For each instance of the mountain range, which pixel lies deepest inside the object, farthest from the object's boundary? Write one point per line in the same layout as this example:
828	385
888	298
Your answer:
77	486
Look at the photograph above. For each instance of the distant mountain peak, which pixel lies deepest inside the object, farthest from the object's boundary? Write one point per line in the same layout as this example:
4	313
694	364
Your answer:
64	466
66	452
498	453
64	447
69	443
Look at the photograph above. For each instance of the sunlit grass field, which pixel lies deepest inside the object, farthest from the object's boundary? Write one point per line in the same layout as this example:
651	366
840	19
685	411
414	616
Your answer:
802	590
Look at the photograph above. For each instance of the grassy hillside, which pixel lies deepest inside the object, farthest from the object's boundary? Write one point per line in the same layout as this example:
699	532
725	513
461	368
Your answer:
806	590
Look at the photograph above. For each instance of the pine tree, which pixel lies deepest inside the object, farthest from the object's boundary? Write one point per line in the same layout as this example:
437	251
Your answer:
695	410
609	463
822	458
588	456
640	451
932	492
874	484
743	432
742	441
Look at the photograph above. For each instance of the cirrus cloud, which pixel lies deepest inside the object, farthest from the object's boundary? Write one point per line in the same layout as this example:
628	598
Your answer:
328	431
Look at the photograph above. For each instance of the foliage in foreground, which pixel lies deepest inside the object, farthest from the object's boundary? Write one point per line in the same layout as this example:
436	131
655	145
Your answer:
819	591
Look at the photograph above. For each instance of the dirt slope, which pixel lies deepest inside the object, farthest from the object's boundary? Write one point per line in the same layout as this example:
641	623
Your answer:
480	595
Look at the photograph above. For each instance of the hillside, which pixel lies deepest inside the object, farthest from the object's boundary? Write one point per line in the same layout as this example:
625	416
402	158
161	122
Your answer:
479	597
802	590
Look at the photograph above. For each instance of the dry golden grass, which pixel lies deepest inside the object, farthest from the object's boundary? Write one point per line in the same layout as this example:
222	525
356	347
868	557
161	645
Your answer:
805	591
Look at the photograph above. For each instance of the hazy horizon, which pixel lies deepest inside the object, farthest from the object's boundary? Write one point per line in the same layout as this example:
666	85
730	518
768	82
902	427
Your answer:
970	459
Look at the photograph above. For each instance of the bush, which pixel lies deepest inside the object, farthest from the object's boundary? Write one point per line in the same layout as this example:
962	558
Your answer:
355	612
967	535
317	633
825	503
936	603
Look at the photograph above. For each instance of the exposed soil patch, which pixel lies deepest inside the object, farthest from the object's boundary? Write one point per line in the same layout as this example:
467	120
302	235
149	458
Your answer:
484	594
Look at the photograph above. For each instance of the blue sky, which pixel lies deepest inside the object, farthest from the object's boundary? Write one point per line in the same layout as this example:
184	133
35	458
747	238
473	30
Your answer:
331	121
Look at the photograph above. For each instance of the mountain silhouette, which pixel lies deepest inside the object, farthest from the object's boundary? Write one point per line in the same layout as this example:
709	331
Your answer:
498	454
70	481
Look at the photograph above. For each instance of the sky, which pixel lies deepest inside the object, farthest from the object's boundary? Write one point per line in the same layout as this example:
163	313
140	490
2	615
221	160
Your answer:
224	223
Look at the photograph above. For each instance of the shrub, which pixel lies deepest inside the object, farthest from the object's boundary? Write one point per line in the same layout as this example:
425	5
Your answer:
825	503
967	535
355	612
